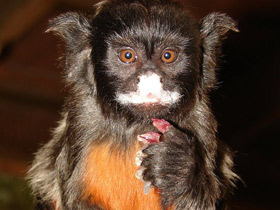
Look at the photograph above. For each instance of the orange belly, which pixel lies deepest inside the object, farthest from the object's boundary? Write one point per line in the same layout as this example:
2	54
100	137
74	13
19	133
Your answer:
111	183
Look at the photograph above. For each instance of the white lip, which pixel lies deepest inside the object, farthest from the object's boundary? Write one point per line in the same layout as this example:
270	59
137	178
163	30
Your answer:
149	90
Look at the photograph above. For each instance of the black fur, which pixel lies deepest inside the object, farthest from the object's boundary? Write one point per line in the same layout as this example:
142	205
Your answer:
192	169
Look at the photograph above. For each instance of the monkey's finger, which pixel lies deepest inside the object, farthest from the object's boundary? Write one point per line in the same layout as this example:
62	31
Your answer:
140	155
138	161
146	139
139	173
139	158
151	149
147	187
161	124
147	184
144	174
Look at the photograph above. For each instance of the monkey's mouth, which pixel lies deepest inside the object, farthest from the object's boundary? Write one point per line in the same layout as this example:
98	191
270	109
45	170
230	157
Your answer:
149	91
149	110
150	105
149	99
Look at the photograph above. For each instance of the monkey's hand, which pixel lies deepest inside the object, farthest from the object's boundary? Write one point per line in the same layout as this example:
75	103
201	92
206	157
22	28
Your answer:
174	167
146	139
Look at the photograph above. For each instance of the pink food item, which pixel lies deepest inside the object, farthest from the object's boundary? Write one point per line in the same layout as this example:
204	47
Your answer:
153	137
150	137
161	124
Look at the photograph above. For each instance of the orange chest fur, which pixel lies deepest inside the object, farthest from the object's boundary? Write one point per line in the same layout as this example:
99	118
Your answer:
111	183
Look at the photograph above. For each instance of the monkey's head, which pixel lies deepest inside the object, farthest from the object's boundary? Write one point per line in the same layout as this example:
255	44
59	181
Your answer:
143	58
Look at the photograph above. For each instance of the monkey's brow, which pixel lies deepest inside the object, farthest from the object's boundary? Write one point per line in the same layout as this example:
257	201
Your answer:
119	40
132	39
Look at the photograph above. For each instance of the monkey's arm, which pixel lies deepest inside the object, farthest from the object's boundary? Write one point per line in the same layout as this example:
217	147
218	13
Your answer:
177	166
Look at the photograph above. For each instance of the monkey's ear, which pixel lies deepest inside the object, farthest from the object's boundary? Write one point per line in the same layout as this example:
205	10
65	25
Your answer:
214	28
73	28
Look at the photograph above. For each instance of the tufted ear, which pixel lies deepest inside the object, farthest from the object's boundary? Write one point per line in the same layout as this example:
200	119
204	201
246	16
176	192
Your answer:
73	28
214	28
75	31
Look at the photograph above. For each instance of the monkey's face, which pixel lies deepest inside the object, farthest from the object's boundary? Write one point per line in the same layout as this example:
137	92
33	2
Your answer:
145	62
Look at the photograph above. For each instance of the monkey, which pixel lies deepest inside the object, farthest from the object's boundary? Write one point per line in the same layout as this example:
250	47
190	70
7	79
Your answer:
127	64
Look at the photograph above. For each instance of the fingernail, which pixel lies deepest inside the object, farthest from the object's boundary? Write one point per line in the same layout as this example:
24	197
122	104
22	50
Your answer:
138	160
140	152
139	173
147	187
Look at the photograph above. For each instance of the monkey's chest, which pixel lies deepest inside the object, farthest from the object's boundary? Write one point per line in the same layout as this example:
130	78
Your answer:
110	181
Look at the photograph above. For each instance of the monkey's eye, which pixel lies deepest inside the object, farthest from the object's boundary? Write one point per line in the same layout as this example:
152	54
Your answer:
128	56
168	56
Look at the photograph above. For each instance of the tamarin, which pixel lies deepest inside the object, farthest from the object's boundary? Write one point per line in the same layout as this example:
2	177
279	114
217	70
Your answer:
136	68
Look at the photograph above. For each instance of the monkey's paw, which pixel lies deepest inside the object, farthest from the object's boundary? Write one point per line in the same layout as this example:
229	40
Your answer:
146	139
165	159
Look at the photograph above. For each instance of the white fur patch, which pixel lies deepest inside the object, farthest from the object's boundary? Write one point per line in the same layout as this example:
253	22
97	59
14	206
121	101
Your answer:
149	90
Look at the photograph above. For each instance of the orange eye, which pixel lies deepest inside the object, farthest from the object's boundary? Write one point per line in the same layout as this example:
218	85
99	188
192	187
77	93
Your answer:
168	56
127	56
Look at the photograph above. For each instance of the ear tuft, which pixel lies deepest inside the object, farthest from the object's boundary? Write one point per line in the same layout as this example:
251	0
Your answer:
73	28
214	28
218	24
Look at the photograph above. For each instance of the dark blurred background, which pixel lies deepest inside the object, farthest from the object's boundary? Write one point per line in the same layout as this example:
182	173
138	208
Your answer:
247	103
